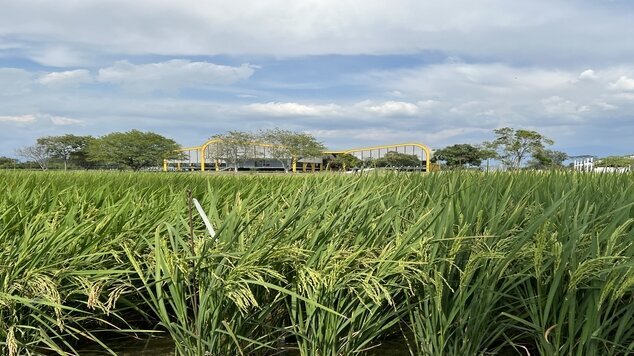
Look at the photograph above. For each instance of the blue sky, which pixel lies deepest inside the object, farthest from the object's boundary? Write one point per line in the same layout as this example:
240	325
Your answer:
352	73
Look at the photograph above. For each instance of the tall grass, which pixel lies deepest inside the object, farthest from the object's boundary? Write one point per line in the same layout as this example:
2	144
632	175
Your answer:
452	264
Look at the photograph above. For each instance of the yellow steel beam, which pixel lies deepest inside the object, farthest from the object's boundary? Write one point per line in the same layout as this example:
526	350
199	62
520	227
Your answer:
202	158
421	146
194	148
201	150
204	146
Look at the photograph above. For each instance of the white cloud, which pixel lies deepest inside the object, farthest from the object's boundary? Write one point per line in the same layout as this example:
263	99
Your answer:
69	78
452	80
59	56
22	119
279	27
453	133
437	104
173	75
468	108
26	119
360	110
496	94
293	109
588	75
556	105
606	106
426	104
389	108
362	137
624	83
64	121
366	135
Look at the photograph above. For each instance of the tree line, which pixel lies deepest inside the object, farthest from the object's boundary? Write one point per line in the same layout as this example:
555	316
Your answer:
511	147
118	150
284	146
137	150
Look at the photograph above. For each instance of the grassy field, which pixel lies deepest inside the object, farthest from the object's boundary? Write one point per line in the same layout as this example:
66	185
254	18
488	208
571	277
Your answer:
448	264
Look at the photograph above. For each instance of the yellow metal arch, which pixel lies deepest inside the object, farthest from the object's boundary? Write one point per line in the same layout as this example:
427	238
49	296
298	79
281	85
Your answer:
202	148
203	159
202	154
424	148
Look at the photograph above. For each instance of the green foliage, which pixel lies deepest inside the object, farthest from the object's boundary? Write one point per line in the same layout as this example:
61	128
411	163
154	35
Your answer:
547	159
7	162
286	145
459	155
514	146
458	263
66	147
395	159
37	153
133	149
234	147
345	161
615	161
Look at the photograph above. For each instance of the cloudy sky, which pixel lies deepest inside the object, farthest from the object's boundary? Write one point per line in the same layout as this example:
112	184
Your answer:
351	72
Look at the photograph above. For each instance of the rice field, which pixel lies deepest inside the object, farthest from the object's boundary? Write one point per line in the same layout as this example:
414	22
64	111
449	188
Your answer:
443	264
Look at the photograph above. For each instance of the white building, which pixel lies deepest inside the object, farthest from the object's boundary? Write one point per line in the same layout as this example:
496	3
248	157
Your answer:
588	164
583	163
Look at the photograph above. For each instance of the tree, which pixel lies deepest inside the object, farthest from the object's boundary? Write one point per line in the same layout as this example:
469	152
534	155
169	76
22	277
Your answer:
548	159
615	161
487	152
133	149
7	162
459	155
344	161
64	147
288	145
395	159
37	153
234	147
514	146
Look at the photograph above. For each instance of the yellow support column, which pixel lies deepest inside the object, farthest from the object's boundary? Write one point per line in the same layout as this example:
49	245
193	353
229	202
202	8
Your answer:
164	165
216	165
202	159
304	167
178	166
312	167
321	166
427	158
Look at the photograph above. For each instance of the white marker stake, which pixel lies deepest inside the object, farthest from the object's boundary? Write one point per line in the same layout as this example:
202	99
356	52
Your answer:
204	217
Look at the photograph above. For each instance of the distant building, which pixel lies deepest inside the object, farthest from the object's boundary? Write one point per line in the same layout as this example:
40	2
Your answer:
583	163
204	157
588	163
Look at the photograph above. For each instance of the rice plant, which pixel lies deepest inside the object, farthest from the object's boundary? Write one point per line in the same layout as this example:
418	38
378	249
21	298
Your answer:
451	264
